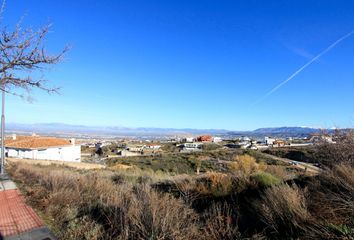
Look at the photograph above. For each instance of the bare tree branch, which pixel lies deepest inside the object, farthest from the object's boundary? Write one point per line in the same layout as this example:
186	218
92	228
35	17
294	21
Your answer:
23	51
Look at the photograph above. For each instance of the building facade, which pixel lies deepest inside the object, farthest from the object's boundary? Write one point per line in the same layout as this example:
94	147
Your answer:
42	148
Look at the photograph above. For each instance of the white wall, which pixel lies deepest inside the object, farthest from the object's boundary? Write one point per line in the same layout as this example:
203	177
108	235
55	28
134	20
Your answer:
66	153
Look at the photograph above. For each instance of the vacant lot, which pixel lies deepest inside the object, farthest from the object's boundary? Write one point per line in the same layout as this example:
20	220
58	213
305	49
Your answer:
247	199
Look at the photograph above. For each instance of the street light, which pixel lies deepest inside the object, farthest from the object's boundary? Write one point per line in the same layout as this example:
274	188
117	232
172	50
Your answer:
3	131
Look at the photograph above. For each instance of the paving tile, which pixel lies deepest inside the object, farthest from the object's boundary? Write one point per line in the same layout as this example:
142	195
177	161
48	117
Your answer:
16	216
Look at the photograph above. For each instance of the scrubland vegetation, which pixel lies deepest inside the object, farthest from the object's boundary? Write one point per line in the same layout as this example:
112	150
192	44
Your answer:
247	198
324	153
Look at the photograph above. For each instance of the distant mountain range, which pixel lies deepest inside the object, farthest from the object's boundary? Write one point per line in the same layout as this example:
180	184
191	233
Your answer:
59	128
67	129
282	132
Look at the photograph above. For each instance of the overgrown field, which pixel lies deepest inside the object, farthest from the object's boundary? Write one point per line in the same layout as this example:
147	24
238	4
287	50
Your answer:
250	199
187	163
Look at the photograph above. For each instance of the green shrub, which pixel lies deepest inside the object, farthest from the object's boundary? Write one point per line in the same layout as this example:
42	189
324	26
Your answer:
264	179
342	230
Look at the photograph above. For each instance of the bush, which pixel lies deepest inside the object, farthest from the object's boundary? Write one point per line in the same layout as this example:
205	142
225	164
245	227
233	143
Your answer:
341	231
279	172
264	179
245	164
284	210
221	223
216	184
332	195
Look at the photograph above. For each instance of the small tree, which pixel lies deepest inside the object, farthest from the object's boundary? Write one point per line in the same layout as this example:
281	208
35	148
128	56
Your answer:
22	51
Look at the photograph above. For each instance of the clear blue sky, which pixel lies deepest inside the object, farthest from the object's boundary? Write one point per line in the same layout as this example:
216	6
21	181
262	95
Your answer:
198	64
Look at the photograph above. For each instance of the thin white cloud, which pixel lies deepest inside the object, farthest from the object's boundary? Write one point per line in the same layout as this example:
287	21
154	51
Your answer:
306	65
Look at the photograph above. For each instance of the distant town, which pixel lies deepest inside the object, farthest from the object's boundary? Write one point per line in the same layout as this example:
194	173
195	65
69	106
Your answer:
79	146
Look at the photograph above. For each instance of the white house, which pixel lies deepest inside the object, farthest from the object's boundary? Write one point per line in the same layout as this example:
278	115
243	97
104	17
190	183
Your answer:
126	153
269	140
189	139
153	146
43	148
217	139
137	148
191	147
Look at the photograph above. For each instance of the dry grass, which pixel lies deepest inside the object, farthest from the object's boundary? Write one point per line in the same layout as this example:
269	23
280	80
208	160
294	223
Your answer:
119	203
216	184
88	206
318	213
284	210
221	223
332	196
78	165
120	167
210	184
280	172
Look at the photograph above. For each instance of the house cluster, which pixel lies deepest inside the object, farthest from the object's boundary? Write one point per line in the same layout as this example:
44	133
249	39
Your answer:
269	141
42	148
136	150
245	142
194	144
202	138
317	137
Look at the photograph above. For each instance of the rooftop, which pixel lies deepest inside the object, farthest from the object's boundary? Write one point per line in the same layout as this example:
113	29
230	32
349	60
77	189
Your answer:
35	142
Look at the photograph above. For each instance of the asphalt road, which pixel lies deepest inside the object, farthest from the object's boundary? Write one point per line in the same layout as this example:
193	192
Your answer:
301	165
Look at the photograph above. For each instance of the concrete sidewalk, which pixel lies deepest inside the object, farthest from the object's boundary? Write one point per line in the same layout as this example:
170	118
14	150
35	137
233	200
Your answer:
17	219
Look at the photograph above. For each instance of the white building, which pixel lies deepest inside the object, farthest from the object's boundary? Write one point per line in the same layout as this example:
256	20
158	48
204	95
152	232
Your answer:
217	139
153	146
138	148
126	153
42	148
191	147
269	140
189	139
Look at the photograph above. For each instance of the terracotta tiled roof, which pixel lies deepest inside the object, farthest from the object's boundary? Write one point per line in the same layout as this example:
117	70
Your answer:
152	144
32	142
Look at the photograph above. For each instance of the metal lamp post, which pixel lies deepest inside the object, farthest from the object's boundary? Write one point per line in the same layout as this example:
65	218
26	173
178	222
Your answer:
3	132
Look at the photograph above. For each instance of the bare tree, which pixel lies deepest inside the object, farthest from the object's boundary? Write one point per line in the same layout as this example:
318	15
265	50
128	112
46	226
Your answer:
341	151
22	51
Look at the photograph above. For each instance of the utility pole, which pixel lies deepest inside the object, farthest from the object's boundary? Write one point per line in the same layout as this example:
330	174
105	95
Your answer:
3	131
